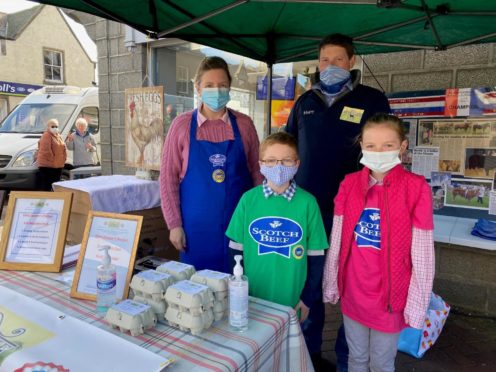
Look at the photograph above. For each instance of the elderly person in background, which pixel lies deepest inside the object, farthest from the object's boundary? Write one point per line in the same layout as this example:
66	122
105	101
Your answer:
51	156
82	143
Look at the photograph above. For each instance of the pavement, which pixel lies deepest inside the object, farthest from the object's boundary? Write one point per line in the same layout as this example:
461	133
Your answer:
467	343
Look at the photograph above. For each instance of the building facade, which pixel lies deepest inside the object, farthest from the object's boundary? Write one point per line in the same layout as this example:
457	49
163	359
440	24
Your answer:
37	48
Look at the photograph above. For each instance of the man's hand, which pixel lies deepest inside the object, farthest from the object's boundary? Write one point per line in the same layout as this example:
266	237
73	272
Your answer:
70	137
178	239
304	310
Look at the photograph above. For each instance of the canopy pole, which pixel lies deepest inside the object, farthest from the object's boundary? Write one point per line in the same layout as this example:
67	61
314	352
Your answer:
269	100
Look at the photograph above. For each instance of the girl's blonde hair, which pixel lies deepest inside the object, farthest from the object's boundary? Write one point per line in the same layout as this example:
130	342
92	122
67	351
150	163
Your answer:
212	63
389	120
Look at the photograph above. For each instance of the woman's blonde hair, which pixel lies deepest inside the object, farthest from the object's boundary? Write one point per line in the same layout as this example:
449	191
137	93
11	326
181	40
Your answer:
51	121
212	63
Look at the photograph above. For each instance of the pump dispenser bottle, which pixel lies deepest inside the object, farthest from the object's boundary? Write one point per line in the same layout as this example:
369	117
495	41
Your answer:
106	281
238	298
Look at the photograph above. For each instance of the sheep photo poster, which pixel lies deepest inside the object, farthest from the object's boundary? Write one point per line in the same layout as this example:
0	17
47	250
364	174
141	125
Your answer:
144	110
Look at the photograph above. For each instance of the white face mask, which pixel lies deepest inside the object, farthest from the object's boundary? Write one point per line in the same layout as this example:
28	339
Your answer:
54	130
380	162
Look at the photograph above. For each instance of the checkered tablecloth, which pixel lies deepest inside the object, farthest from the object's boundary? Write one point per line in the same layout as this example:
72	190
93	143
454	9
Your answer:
274	341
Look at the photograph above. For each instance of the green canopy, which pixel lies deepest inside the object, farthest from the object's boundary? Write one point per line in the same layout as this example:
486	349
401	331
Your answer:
276	31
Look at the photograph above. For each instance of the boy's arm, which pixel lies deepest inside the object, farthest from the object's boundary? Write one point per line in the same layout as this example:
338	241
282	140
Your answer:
312	290
317	242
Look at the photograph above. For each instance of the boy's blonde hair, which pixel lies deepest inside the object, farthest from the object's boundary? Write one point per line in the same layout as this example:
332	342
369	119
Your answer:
391	121
281	138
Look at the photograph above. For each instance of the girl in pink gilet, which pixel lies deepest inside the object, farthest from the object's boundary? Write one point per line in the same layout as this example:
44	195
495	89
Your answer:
381	260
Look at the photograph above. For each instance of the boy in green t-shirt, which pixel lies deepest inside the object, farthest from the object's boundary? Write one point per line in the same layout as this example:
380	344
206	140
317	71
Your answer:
279	229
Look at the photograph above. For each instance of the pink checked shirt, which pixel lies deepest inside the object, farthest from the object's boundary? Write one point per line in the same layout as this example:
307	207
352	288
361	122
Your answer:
176	153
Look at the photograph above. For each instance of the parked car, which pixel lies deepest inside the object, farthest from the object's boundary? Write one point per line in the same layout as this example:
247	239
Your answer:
21	130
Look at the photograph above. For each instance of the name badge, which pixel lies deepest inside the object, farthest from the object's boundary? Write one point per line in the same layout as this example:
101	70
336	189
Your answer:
218	175
352	115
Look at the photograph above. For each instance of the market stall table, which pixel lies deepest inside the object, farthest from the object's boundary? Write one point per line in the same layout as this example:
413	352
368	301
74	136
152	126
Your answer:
274	341
120	194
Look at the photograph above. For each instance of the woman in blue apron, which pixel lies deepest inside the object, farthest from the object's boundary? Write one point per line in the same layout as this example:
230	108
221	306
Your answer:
216	176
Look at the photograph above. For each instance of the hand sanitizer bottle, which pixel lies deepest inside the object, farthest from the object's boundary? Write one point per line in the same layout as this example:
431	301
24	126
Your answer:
106	281
238	298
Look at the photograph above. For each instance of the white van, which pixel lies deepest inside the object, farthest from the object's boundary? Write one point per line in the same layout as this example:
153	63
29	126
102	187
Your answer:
23	127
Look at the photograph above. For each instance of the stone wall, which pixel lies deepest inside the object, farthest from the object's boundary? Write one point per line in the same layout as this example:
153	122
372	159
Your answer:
461	67
118	69
466	277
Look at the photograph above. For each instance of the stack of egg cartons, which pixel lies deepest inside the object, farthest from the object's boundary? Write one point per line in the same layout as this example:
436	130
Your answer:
190	306
218	283
149	288
178	270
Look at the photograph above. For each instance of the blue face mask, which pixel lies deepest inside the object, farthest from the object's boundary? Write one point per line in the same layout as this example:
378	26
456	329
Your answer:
215	98
279	174
333	78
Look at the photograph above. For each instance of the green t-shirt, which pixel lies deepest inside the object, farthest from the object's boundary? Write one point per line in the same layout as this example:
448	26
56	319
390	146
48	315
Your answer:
276	235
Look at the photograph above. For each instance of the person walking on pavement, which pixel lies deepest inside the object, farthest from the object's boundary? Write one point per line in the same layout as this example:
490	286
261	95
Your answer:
326	121
51	155
82	143
210	159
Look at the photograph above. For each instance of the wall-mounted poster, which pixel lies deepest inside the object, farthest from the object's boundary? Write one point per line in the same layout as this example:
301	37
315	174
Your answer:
453	136
480	162
468	193
144	135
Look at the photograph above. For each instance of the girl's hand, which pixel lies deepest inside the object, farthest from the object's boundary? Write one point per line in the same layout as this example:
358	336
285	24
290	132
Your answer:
178	238
304	310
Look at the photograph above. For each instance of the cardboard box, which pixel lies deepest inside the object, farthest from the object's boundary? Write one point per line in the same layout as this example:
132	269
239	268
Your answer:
154	235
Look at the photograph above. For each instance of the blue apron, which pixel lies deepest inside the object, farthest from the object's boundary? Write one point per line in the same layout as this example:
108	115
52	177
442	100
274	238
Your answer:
216	177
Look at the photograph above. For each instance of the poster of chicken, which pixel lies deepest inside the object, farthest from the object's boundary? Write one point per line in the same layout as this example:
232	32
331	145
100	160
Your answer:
144	127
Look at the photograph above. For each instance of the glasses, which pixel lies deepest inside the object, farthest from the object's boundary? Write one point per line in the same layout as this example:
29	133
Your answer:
54	126
274	162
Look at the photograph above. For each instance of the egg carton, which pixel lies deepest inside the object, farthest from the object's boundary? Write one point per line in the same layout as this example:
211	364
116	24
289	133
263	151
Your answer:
188	322
221	295
151	284
158	307
220	309
178	270
189	296
215	280
131	316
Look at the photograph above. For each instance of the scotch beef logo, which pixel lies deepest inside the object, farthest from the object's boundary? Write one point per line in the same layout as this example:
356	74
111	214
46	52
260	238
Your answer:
275	235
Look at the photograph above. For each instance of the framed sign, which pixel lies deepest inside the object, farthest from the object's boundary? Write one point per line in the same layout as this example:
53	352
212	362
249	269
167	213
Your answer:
3	195
120	232
33	238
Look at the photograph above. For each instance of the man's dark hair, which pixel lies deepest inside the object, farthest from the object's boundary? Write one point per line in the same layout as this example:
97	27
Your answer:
340	40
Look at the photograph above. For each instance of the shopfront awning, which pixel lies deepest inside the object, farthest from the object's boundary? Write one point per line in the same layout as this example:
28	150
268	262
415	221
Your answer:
276	31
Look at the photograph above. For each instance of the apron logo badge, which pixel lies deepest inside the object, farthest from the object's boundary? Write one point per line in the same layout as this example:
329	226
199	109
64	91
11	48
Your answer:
298	252
217	160
218	175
